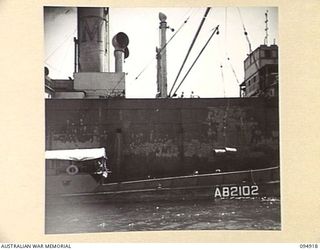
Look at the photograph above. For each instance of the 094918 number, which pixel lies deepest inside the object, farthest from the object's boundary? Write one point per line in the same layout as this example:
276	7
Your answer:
309	245
236	191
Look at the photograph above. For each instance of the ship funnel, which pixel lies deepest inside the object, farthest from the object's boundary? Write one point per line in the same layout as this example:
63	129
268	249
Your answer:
120	42
93	51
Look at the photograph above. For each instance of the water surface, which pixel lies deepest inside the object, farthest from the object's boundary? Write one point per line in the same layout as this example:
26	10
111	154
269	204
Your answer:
224	214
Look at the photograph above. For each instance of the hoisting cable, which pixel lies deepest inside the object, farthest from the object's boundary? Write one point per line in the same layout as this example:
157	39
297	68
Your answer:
190	48
245	31
149	63
216	30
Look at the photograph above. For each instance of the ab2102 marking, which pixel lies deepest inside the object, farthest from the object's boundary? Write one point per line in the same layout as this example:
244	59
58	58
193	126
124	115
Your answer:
236	191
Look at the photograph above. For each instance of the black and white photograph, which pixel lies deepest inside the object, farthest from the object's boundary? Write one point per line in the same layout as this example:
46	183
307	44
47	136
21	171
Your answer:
161	119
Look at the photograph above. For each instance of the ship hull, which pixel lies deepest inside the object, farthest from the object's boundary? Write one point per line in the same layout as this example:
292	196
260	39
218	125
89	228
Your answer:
229	185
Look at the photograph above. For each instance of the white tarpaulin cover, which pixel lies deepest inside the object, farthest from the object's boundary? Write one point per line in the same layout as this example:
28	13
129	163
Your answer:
76	154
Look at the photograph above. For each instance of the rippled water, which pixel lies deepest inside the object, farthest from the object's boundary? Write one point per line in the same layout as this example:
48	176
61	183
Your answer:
234	214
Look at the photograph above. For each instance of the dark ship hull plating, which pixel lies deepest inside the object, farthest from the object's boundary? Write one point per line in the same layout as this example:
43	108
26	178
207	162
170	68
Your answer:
165	148
230	185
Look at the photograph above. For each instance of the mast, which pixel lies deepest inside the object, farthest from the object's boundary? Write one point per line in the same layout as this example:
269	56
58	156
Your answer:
162	58
266	29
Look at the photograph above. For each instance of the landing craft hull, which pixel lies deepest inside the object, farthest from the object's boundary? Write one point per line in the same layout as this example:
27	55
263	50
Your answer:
238	184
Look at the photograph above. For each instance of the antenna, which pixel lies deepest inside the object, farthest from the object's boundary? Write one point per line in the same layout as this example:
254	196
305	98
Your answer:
266	29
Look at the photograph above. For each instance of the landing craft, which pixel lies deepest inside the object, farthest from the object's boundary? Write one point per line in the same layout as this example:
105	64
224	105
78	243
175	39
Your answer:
100	145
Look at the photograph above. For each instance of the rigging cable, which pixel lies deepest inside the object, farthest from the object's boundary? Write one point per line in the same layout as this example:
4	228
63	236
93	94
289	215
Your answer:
225	27
66	39
222	77
67	51
226	111
225	117
190	48
245	31
53	67
225	122
149	63
173	35
116	85
234	72
216	30
226	47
